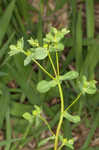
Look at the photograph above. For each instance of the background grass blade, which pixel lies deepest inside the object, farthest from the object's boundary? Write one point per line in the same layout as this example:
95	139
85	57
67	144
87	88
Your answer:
6	45
90	18
8	129
9	141
89	65
4	103
91	133
4	21
78	43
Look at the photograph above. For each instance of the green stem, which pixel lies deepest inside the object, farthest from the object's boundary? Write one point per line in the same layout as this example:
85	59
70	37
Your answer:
42	68
45	121
73	102
61	117
57	62
60	147
27	130
52	64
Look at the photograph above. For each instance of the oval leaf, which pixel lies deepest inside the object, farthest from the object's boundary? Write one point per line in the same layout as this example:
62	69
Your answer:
52	83
60	47
74	119
43	142
33	42
20	43
69	75
88	87
28	116
40	53
70	143
55	48
28	59
44	86
91	88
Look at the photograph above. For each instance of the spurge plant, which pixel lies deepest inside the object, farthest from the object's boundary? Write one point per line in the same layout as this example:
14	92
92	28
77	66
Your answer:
52	43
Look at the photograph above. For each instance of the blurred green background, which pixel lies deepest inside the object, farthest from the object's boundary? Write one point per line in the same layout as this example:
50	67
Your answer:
18	94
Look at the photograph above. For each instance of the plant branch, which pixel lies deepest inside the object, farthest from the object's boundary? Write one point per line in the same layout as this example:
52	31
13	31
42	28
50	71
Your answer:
45	121
57	62
41	67
73	102
61	147
61	117
52	63
44	69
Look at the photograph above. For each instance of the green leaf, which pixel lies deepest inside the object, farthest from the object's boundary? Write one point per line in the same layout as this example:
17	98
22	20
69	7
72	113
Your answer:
37	111
69	75
20	43
70	143
49	38
56	47
55	36
52	83
58	35
33	42
91	87
28	116
53	30
43	142
60	47
88	87
28	59
65	142
35	53
65	31
74	119
37	121
44	86
40	53
15	49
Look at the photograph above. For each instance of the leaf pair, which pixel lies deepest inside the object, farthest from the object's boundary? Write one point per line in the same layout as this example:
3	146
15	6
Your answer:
44	86
33	43
15	49
88	87
55	36
36	54
52	42
69	143
30	117
65	142
56	47
71	118
53	39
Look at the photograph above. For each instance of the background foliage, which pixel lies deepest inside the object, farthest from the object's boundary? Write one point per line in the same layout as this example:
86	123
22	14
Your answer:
18	92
